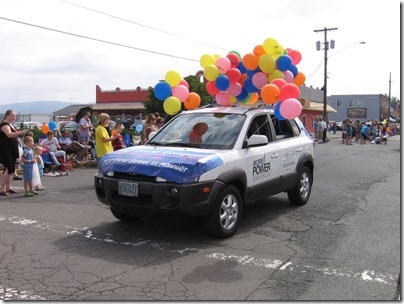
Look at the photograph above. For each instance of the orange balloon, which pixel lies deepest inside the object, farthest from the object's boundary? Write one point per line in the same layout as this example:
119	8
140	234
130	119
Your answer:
250	61
113	132
45	128
253	98
270	93
193	101
299	79
243	77
259	50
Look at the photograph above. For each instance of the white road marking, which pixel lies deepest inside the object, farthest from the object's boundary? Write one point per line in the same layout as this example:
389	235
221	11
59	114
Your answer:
10	293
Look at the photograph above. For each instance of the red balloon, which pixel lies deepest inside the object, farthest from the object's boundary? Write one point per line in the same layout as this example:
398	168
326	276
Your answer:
234	60
234	75
289	90
211	88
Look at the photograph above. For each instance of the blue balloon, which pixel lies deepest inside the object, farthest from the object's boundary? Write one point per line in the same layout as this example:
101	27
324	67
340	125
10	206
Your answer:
52	125
222	82
241	67
277	112
284	63
249	87
162	90
243	95
139	128
294	70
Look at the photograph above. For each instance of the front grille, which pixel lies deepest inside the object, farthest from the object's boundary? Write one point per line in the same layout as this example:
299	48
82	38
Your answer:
137	177
142	199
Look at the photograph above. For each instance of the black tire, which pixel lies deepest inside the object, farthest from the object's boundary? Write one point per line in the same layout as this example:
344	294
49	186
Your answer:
226	215
300	193
123	217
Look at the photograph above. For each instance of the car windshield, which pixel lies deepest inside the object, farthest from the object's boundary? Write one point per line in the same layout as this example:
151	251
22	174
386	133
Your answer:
202	130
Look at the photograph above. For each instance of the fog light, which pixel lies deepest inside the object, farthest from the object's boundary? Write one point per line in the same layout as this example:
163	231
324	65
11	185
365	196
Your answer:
173	191
99	182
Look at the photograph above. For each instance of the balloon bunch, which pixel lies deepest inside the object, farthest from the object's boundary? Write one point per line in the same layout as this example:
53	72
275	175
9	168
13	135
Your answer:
269	72
174	91
45	128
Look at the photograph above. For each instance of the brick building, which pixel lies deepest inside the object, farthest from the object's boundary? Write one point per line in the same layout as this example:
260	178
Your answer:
123	106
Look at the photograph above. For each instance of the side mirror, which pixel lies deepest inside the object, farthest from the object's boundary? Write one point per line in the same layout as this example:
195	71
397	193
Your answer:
257	140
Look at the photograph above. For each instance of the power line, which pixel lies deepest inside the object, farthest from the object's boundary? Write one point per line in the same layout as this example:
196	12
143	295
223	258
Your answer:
98	40
142	25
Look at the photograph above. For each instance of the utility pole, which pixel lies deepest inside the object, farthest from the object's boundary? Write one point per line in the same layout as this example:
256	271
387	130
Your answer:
325	30
388	118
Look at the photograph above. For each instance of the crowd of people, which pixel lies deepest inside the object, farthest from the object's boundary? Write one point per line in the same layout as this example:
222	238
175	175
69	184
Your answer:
370	131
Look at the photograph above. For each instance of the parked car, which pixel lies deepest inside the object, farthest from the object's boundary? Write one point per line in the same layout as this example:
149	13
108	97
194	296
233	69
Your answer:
27	125
209	163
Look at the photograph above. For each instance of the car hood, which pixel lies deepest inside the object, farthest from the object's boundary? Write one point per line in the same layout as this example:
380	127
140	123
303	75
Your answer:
178	165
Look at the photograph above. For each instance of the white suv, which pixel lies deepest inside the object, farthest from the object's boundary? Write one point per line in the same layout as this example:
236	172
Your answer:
209	163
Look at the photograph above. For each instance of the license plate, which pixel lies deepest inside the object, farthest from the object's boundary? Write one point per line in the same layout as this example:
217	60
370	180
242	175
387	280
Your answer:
128	189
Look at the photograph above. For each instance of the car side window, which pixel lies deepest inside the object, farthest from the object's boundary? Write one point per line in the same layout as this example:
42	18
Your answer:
260	126
284	129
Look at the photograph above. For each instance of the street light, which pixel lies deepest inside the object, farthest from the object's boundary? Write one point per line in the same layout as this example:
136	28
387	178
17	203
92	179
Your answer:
362	42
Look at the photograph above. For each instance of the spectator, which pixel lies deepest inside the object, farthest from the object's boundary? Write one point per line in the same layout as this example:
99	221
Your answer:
37	171
148	127
325	128
53	148
72	146
159	122
28	161
118	143
364	133
85	128
8	151
103	140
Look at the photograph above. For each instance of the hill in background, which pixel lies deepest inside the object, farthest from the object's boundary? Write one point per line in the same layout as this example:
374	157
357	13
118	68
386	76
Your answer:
34	107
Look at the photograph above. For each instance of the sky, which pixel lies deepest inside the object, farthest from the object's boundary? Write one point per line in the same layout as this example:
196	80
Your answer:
156	36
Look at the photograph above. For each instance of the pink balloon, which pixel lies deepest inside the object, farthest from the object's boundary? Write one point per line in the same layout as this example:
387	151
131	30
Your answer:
223	98
233	74
181	92
223	64
235	89
290	108
279	82
288	75
259	80
289	90
295	56
184	82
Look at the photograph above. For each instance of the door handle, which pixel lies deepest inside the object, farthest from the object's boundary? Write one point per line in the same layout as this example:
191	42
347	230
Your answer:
299	149
275	155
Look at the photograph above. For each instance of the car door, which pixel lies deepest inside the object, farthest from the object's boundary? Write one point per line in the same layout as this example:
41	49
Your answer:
263	162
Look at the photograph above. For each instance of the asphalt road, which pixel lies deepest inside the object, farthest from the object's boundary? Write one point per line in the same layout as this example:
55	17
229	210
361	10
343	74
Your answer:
343	245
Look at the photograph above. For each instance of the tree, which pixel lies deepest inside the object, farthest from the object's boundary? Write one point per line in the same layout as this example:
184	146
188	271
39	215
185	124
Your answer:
155	105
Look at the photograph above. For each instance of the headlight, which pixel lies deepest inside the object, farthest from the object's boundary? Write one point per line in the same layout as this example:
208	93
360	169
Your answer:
110	173
160	179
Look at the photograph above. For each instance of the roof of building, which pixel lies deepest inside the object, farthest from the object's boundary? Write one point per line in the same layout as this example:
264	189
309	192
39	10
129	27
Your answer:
118	106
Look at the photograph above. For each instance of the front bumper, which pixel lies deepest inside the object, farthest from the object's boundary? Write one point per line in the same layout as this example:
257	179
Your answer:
156	198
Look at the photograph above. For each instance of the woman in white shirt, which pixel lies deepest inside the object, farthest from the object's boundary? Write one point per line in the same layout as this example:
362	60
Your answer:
53	148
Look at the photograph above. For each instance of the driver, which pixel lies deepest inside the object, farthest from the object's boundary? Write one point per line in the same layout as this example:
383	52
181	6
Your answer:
198	130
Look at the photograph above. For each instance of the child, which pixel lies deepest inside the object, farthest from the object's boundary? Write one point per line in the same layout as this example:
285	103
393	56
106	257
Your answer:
37	169
117	143
28	161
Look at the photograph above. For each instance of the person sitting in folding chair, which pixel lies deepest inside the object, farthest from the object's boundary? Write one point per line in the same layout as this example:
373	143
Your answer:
52	145
72	146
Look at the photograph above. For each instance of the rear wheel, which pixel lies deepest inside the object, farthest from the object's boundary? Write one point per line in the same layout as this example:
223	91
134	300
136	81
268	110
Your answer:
123	217
300	193
226	215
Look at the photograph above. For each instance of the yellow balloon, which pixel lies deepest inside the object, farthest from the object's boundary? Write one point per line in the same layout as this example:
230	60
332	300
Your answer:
232	99
211	72
172	105
216	56
173	78
206	60
269	45
267	63
274	75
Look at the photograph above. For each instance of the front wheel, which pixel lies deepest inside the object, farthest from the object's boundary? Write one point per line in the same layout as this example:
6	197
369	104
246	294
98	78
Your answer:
226	215
300	193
